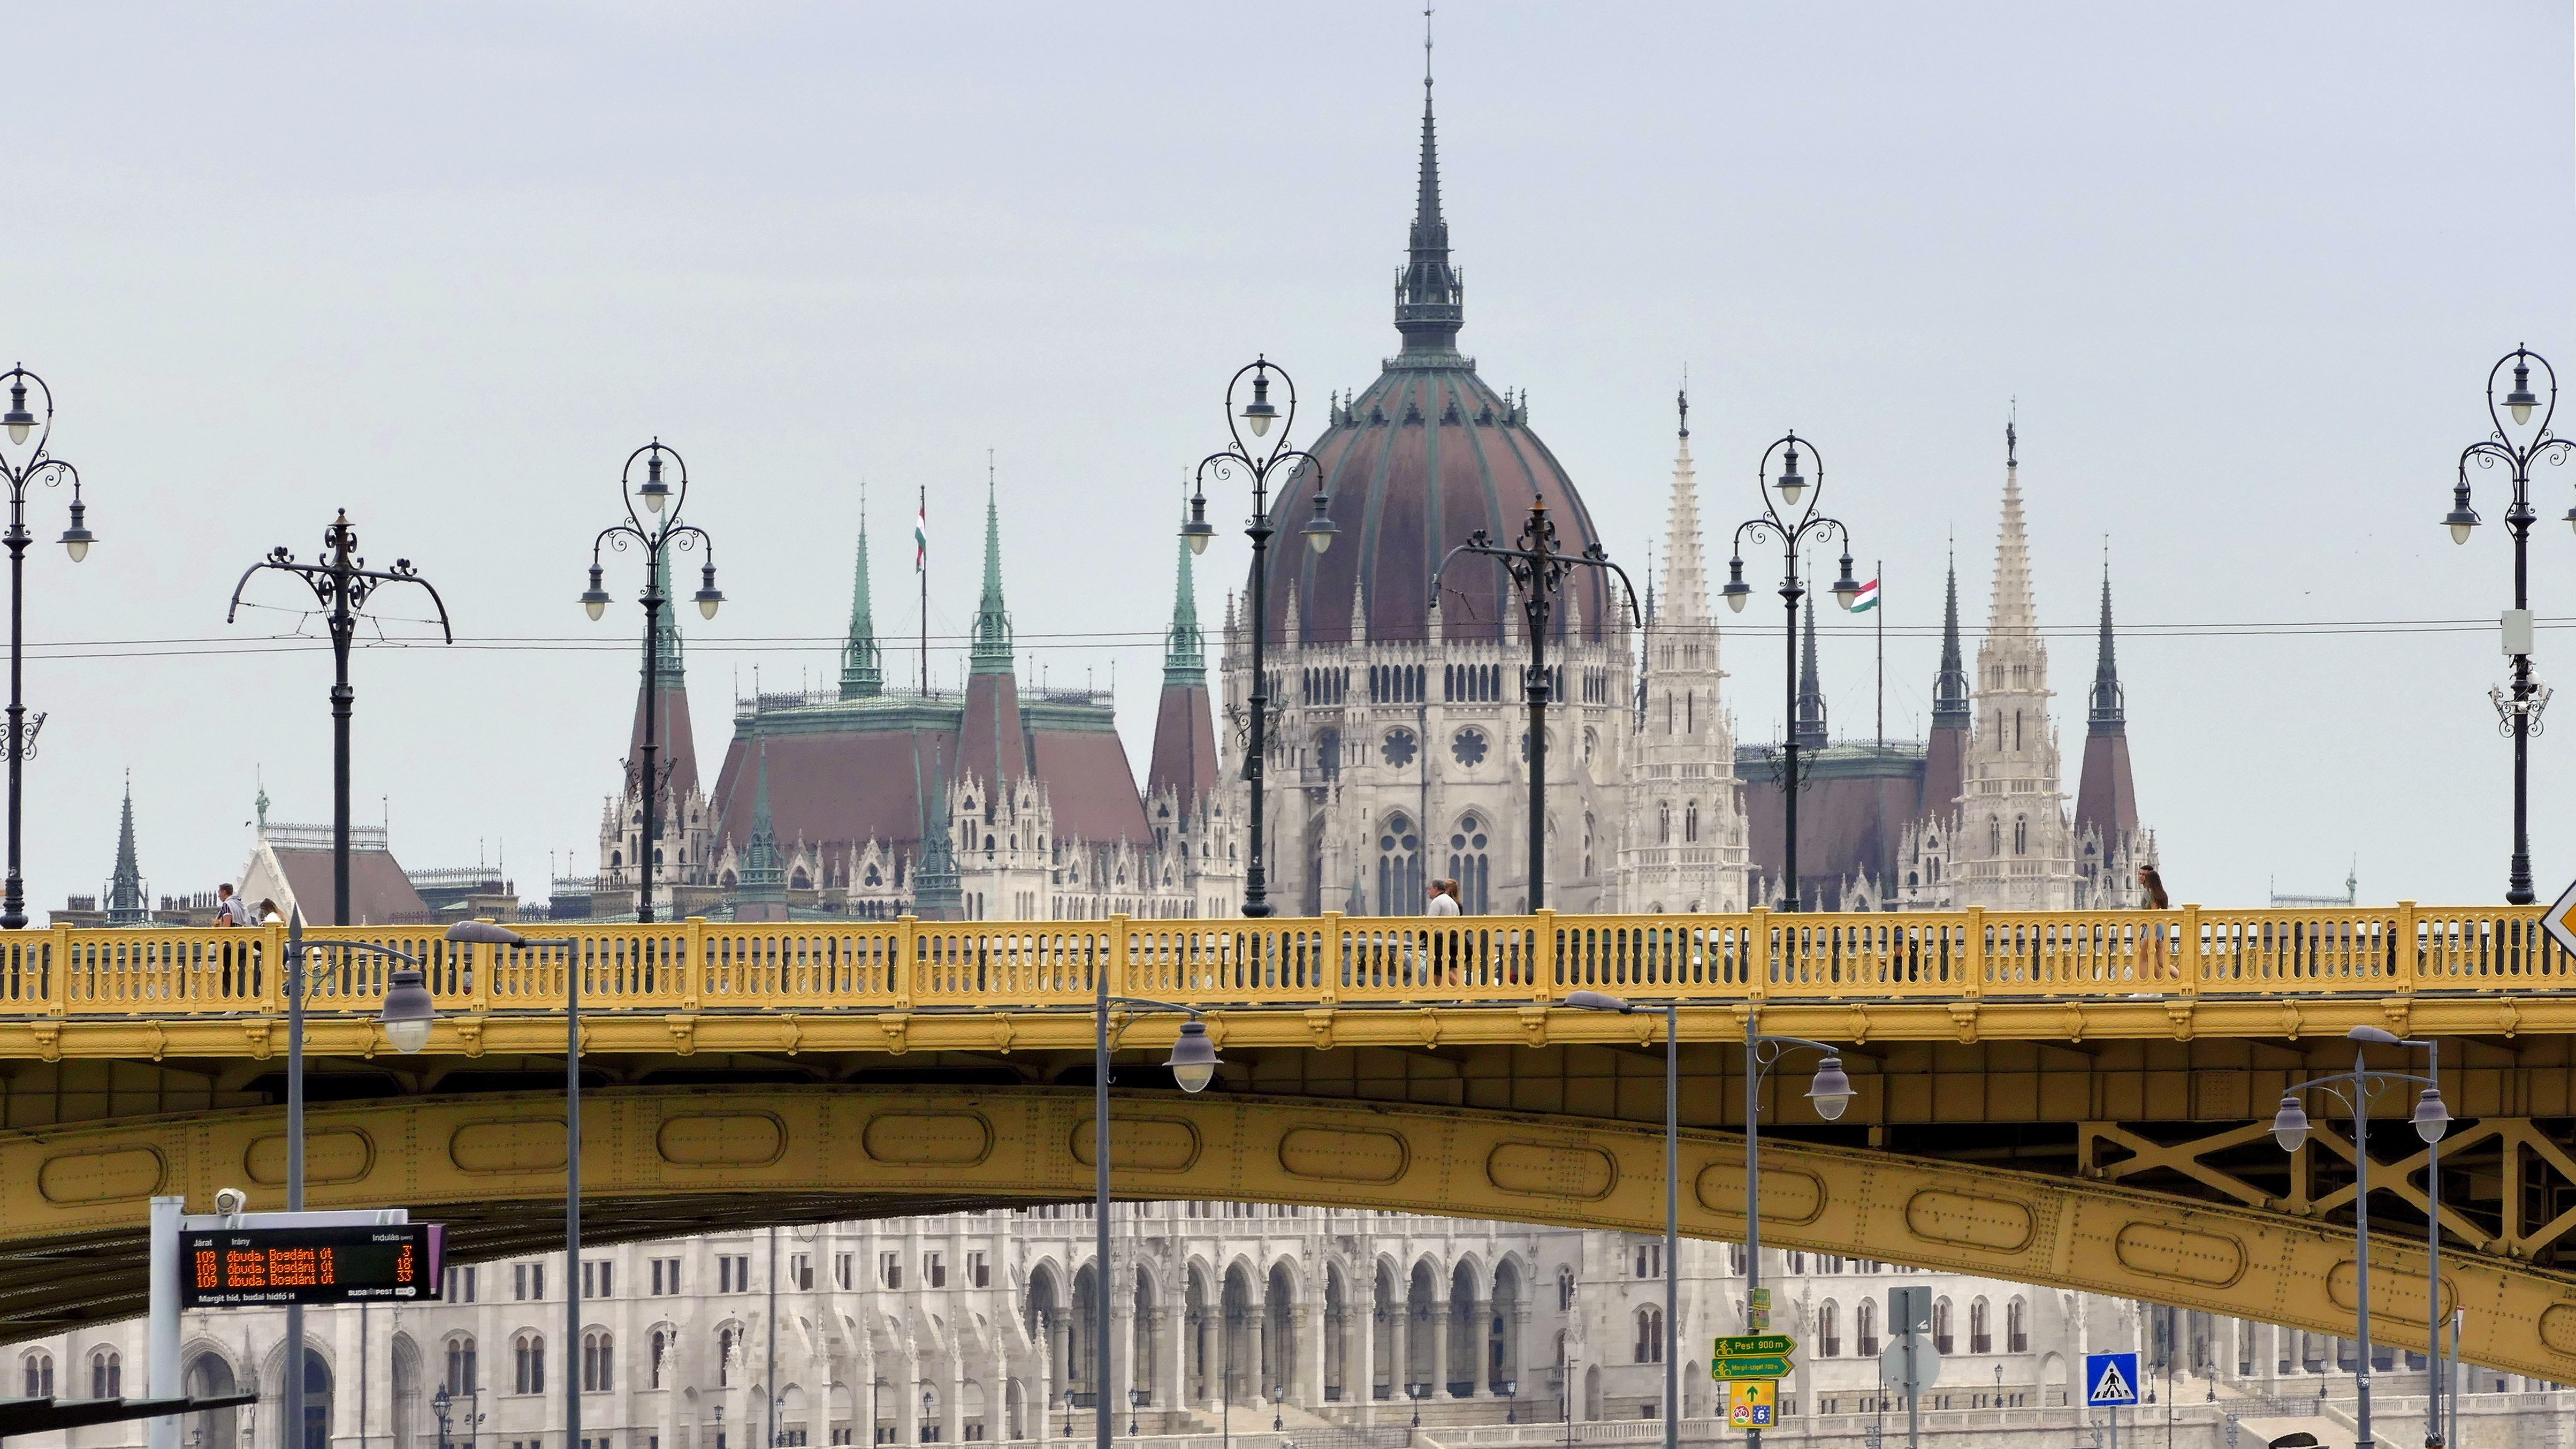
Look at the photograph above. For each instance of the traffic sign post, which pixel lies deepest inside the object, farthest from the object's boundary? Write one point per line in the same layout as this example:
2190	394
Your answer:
2111	1382
1749	1366
1911	1360
1779	1343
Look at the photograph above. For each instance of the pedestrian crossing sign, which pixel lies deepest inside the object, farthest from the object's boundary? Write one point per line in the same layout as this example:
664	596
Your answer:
2111	1379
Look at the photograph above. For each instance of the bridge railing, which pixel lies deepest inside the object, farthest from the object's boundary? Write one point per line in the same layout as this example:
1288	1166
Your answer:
906	965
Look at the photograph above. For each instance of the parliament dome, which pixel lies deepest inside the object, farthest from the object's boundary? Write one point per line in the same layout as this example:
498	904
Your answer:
1414	464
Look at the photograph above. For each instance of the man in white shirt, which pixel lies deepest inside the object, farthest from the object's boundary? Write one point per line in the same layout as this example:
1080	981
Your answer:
230	909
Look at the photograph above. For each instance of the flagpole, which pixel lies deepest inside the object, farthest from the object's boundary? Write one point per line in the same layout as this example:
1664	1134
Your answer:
921	570
1878	575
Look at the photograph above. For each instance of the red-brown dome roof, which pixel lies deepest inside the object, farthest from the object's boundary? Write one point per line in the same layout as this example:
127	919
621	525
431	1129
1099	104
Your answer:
1416	463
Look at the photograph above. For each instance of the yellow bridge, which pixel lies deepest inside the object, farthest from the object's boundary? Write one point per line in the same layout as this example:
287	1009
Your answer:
2077	1099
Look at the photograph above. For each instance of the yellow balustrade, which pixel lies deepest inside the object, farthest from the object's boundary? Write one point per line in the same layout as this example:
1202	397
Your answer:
907	965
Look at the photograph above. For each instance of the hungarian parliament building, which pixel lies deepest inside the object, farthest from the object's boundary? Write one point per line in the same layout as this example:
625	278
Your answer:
1295	1323
1400	753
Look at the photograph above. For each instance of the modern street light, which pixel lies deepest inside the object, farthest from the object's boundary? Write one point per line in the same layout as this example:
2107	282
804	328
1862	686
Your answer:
488	933
405	1016
2430	1119
23	460
1789	514
341	583
1538	573
1193	1064
2436	1426
1259	415
2518	706
656	529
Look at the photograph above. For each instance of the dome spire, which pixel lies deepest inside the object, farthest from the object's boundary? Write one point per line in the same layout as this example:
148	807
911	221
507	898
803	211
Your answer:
1429	298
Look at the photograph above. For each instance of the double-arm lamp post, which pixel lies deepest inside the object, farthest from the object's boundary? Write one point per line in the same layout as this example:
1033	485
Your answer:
1831	1091
23	460
341	583
2431	1119
1789	515
1258	462
2516	446
655	529
1538	573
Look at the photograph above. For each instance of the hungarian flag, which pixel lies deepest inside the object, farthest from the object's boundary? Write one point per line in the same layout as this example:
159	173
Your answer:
921	537
1868	597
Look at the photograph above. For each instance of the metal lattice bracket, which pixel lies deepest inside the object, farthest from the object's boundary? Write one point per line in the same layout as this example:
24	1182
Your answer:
2528	708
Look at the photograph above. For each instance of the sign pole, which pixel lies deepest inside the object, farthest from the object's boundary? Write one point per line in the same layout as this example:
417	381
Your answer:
162	1353
1914	1391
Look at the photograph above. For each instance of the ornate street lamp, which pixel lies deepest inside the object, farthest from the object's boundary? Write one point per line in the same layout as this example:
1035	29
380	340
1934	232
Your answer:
23	460
655	529
341	583
1538	573
2516	446
1251	459
1789	514
2431	1119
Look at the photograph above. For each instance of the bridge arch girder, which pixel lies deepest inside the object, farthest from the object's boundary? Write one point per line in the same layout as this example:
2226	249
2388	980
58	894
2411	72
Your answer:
659	1161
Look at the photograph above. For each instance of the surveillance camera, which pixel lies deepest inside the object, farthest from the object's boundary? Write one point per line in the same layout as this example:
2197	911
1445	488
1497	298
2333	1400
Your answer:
231	1201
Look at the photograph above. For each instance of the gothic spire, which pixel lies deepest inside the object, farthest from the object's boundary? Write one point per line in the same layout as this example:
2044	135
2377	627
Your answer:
992	652
1950	686
1429	298
2012	611
126	904
2107	716
1809	731
935	895
1685	591
666	626
1184	648
862	667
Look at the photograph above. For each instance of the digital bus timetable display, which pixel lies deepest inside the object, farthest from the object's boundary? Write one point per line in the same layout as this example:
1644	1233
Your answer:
240	1267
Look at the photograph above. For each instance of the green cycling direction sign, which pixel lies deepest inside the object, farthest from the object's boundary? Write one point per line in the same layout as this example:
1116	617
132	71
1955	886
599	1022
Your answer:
1751	1356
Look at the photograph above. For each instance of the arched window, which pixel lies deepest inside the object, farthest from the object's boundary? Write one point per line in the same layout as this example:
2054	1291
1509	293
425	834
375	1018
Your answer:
528	1362
2016	729
1650	1335
106	1374
1564	1289
1587	836
1690	821
661	1355
1865	1328
460	1364
1829	1330
597	1362
1469	865
1941	1338
1399	867
1994	835
1664	823
2021	835
2017	1327
724	1357
1797	1262
1981	1327
40	1375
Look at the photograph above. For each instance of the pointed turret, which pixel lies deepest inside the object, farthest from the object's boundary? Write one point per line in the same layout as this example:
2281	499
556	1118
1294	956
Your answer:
762	894
862	665
1184	761
2106	797
1944	770
993	746
127	905
1810	728
1429	297
673	737
1684	599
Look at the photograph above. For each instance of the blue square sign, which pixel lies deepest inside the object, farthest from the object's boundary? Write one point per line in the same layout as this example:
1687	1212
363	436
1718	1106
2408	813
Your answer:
2110	1379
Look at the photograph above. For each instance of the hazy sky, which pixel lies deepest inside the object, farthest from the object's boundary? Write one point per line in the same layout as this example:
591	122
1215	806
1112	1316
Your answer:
2244	267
